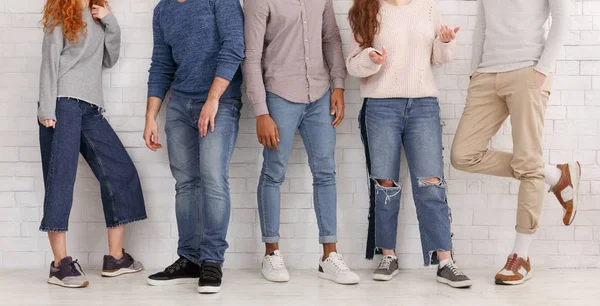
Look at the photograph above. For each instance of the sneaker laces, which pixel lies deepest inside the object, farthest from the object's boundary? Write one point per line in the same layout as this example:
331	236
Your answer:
276	261
454	268
73	265
338	261
510	264
385	263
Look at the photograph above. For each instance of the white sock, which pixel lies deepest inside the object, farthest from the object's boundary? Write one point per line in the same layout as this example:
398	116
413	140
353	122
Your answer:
522	242
552	175
444	262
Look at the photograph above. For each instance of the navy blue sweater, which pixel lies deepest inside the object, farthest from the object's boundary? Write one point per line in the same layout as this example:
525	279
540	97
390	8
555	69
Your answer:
194	41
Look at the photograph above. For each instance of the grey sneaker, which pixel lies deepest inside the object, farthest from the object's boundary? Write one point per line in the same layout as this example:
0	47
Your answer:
68	274
114	267
451	275
388	268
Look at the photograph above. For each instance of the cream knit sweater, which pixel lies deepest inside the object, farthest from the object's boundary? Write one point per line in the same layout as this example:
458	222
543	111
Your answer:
409	34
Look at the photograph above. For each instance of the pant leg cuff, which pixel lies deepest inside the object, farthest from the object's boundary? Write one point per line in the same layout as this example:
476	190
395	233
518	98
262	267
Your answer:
525	231
53	230
274	239
328	239
190	258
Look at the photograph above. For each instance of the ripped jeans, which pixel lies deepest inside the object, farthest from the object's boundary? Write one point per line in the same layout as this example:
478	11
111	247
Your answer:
386	126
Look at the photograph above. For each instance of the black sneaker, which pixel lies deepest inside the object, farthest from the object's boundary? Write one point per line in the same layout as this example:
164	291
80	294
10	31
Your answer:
182	271
451	275
126	265
210	278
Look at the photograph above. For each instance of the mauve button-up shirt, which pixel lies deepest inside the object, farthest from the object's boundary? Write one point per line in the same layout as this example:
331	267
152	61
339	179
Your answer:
293	49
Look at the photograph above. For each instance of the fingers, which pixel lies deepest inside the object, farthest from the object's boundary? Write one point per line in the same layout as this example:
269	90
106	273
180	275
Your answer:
203	125
456	30
339	116
49	123
53	124
212	124
148	141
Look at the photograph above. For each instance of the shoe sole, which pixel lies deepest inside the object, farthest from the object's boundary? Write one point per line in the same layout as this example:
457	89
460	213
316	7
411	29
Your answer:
56	282
518	282
332	278
208	289
120	272
461	284
383	277
575	172
275	280
171	282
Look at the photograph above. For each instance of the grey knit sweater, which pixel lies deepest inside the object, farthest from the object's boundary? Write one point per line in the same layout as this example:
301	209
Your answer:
75	71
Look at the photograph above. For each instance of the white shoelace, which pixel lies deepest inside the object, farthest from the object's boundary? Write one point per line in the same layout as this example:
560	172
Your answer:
276	261
454	268
385	263
338	261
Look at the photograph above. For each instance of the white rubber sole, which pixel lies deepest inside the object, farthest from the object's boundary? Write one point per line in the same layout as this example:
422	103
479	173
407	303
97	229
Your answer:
518	282
575	172
334	279
57	282
461	284
209	289
171	282
381	277
120	272
275	279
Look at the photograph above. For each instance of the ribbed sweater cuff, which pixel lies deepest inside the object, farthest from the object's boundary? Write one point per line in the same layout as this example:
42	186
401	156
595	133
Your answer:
260	109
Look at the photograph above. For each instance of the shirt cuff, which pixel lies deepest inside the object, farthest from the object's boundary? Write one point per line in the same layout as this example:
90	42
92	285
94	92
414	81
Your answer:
260	109
338	83
157	92
109	20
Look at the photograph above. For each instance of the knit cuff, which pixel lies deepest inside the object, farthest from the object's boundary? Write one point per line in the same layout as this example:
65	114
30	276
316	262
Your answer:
443	52
260	109
366	62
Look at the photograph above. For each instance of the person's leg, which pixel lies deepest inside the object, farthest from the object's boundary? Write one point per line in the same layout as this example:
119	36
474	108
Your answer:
484	114
59	148
183	148
423	146
286	116
120	187
319	139
384	124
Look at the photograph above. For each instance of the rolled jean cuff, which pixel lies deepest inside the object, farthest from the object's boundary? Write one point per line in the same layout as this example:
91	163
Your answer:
526	231
273	239
328	239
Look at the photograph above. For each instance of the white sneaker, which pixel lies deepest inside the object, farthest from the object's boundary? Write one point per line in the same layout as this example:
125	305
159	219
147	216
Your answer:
273	268
335	269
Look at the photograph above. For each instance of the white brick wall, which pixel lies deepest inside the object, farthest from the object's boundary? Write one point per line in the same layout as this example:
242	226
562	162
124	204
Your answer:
483	207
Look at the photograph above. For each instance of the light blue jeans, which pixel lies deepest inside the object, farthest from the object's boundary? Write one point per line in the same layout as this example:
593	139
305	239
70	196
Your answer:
387	125
200	167
315	124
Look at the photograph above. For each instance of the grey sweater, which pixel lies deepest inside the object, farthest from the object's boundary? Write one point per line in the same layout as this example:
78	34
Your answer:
509	35
75	71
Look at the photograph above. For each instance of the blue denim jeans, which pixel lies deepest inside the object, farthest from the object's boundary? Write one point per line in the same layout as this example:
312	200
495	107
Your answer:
80	128
315	124
200	166
387	125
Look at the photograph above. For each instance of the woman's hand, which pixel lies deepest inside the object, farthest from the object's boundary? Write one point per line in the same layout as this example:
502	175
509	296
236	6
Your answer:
49	123
446	34
99	12
378	58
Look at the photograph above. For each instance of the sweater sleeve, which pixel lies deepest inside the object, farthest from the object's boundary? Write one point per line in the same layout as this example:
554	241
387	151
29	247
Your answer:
230	24
112	40
478	37
442	52
332	47
256	15
52	47
558	31
163	67
359	63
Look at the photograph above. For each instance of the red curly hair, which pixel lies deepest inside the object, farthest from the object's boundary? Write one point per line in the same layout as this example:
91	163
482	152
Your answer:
68	14
363	20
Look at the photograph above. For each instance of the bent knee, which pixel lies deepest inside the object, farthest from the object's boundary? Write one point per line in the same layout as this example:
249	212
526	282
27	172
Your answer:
386	183
463	160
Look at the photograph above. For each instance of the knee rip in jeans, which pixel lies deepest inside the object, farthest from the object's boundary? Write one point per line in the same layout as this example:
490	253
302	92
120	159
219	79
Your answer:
389	187
432	182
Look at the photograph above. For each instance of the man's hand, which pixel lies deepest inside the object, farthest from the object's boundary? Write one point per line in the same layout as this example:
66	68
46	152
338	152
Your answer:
49	123
447	34
337	106
541	78
99	12
151	135
207	117
267	132
377	58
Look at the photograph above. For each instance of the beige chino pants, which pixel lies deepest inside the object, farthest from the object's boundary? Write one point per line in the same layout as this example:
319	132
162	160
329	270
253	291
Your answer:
492	97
